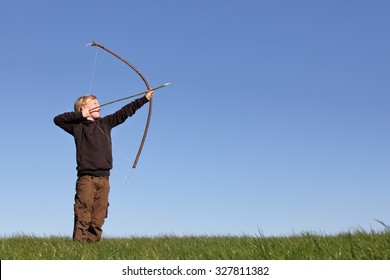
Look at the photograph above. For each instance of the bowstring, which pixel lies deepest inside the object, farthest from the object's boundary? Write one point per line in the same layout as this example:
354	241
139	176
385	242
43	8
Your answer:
101	130
93	70
121	152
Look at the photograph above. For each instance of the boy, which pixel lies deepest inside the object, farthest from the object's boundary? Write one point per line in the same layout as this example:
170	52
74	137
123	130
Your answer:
92	136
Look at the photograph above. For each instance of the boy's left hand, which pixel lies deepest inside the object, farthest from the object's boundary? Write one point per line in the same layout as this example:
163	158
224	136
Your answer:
149	94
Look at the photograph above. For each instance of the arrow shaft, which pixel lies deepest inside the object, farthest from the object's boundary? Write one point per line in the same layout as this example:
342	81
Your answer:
128	97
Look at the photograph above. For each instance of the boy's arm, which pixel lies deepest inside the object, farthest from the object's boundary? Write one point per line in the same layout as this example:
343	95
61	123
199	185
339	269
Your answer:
67	120
126	111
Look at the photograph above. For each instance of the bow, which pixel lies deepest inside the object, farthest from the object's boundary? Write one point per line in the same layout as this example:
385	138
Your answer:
147	88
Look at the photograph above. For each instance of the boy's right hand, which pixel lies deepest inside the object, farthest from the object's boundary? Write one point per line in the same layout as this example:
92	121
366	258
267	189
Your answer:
85	112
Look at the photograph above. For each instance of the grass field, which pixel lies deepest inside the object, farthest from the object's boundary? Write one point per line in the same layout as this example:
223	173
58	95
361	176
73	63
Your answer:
357	245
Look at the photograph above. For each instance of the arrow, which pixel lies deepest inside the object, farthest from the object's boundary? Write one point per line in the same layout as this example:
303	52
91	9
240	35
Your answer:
128	97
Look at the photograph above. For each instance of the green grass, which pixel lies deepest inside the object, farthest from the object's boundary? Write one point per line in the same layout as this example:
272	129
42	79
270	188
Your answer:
357	245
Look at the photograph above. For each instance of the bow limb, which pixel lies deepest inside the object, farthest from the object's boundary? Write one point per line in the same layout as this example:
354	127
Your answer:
147	88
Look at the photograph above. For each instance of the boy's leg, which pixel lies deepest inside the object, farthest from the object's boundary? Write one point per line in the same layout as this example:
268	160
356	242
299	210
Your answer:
99	208
83	207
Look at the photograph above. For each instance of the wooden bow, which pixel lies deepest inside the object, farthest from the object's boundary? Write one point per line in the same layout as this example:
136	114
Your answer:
147	88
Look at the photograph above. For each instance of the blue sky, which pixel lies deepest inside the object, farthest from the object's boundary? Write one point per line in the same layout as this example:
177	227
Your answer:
276	121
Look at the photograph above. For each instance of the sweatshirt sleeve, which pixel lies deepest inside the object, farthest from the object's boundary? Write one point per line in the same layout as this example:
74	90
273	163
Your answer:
66	121
126	111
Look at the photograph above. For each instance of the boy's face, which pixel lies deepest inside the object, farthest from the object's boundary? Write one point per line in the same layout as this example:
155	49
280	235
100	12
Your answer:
93	104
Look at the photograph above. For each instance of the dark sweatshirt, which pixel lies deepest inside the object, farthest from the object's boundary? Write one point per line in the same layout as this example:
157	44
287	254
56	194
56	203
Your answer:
93	138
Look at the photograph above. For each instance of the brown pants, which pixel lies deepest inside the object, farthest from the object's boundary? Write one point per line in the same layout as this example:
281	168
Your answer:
90	207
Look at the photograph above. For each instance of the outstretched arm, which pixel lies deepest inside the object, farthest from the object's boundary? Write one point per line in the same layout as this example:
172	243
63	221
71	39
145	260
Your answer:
128	110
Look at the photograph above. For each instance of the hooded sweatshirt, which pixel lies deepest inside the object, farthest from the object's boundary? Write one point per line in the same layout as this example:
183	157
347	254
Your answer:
93	138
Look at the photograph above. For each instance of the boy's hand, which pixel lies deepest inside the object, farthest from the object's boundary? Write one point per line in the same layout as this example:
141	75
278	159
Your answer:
85	112
149	94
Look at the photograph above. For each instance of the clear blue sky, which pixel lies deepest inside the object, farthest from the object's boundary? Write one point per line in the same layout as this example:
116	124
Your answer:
277	120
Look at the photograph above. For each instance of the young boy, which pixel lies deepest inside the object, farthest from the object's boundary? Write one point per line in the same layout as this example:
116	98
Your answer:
92	136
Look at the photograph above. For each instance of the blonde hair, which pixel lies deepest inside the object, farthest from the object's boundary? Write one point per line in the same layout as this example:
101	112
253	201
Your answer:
82	101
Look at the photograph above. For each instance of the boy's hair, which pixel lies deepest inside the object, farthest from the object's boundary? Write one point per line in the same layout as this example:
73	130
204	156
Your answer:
82	101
